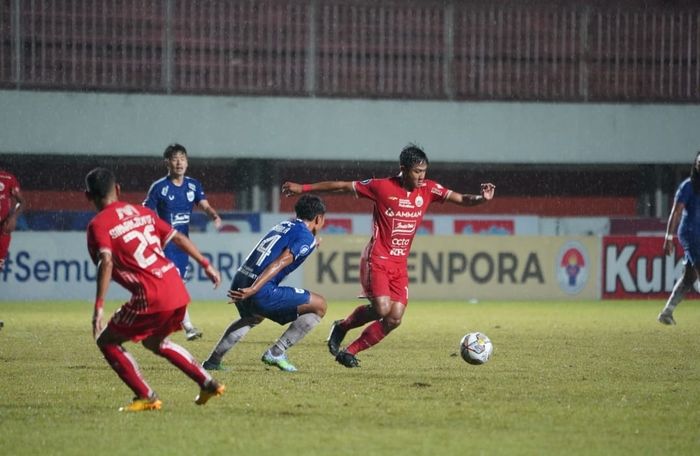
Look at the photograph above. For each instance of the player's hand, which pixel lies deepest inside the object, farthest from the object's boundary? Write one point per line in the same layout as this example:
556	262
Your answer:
217	222
487	191
669	246
240	294
97	325
213	275
291	189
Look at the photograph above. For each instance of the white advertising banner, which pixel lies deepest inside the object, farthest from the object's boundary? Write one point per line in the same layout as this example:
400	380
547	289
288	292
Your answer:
56	266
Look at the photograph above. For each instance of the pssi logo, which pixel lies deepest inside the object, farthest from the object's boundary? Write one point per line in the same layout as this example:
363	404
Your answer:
572	267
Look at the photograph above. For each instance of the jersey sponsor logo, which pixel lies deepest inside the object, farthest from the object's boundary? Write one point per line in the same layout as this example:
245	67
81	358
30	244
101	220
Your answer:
437	191
190	196
392	198
409	214
419	201
127	211
405	203
180	218
389	212
171	197
164	191
400	242
2	186
304	250
191	186
398	252
403	227
299	290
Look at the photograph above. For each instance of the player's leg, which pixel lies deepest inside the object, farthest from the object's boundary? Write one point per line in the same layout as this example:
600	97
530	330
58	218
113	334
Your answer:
372	335
396	281
110	344
179	357
283	305
182	263
310	315
375	285
683	286
233	334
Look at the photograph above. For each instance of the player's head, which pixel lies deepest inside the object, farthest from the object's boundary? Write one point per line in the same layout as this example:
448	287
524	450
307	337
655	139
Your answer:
175	156
695	173
310	208
414	165
101	186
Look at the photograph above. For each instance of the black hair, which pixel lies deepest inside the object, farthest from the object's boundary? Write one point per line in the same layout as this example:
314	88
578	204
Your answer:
412	155
695	175
309	206
99	182
172	149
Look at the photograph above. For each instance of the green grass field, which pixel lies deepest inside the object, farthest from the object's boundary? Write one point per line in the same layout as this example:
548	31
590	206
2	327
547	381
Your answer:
575	378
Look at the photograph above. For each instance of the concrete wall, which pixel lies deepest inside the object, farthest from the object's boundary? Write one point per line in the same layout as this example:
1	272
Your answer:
260	127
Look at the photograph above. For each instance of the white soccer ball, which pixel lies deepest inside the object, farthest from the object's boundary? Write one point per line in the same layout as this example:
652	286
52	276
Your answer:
475	348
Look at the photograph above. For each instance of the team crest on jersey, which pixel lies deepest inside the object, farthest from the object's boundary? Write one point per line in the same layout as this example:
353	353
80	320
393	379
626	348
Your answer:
419	201
190	196
164	191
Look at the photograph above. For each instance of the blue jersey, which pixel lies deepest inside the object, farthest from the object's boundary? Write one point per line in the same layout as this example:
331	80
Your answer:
690	219
174	204
290	234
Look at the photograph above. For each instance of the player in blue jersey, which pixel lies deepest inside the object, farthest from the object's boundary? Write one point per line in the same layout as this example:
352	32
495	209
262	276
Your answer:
173	197
685	219
257	292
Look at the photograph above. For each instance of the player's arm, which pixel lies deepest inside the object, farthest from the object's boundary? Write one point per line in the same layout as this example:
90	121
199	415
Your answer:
672	225
487	192
285	259
292	188
188	247
104	276
211	212
151	200
10	223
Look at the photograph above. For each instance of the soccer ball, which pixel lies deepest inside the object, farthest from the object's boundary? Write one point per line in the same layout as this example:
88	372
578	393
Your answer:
475	348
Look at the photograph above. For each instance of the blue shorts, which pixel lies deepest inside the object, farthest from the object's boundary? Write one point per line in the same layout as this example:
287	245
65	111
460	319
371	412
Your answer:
691	249
180	258
279	304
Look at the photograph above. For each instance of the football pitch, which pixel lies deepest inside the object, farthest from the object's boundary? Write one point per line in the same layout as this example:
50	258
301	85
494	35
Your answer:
565	378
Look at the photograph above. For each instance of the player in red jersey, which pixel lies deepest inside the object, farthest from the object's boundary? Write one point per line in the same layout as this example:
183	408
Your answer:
11	204
126	243
400	203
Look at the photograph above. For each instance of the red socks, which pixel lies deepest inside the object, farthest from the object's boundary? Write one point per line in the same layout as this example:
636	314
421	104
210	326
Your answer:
126	368
372	335
359	317
183	360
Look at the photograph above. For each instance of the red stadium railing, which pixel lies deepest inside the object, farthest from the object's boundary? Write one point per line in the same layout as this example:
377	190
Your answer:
620	50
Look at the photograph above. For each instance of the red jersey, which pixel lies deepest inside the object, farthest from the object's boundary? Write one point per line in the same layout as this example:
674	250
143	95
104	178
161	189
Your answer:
397	214
135	237
8	182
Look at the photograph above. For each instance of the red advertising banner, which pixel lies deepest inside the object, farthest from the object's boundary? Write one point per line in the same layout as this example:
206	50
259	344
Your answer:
506	227
336	225
636	267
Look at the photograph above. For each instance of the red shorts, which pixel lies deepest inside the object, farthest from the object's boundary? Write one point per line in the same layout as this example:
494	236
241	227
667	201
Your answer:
384	278
4	246
138	327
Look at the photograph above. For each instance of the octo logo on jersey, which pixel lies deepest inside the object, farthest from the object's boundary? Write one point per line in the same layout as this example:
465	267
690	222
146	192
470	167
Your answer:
572	267
403	227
